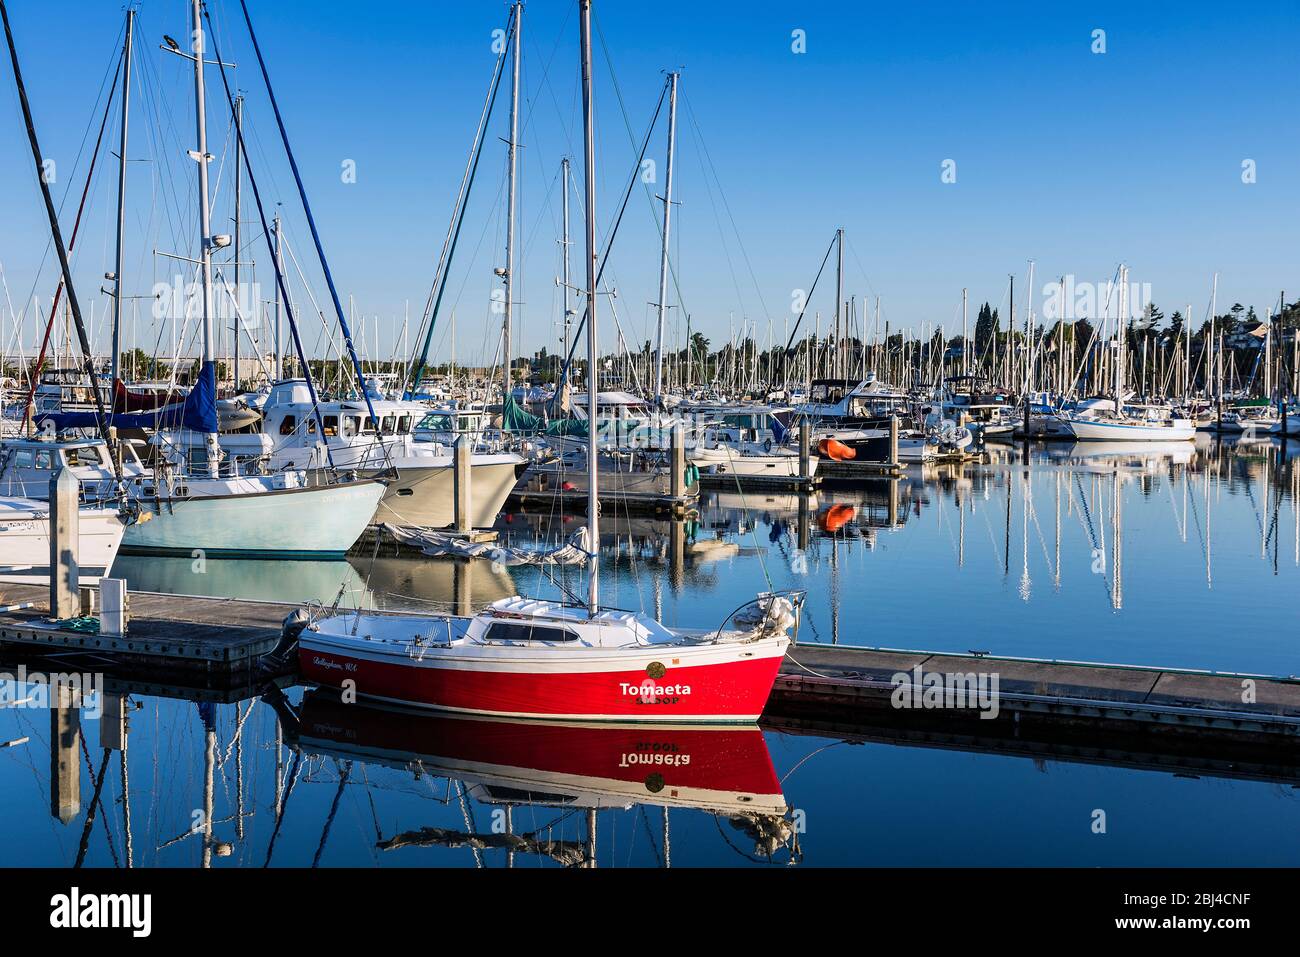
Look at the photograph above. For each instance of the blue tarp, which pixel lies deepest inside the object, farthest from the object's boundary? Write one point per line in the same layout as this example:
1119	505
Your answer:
198	412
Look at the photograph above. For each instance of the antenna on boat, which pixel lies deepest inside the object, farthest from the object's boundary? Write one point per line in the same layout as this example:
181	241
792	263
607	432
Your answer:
589	170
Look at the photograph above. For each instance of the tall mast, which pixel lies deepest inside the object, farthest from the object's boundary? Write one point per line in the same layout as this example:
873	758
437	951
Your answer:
965	337
116	357
239	140
663	258
511	203
1121	337
200	155
589	172
564	246
836	364
1029	334
1216	357
276	366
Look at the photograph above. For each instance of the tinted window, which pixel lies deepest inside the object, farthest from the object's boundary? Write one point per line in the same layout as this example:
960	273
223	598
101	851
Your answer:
526	631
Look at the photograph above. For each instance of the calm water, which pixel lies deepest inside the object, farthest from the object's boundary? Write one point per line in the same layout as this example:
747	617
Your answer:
1187	558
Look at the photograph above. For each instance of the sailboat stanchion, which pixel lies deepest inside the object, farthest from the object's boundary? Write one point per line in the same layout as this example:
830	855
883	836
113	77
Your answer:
462	473
65	601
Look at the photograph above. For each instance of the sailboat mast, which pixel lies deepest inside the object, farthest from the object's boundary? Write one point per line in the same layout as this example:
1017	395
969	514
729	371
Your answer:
277	367
663	257
511	202
239	180
116	354
837	363
589	172
200	155
564	248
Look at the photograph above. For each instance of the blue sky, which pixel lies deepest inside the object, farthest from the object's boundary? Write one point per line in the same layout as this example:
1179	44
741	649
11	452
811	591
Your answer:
1075	159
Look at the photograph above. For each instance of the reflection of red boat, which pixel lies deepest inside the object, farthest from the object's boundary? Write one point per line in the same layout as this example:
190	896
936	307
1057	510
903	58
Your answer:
719	769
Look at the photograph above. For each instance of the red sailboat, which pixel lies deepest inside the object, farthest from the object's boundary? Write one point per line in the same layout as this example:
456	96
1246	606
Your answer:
546	659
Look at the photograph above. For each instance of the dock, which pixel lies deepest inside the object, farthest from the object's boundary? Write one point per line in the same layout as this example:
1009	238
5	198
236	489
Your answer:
852	470
167	632
818	682
225	642
733	481
623	503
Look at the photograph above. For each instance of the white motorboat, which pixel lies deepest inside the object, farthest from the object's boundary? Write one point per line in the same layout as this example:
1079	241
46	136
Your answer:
25	536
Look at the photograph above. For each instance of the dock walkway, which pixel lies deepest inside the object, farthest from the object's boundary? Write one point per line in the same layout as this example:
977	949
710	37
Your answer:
840	679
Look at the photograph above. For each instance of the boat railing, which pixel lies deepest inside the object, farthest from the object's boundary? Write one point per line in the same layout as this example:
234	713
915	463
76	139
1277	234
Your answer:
766	605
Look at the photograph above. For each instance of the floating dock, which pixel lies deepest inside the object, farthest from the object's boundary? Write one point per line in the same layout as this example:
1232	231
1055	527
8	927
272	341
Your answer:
819	681
850	469
734	481
820	688
167	632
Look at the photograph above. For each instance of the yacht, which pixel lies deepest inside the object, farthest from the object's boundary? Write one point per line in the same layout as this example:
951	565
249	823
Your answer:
413	454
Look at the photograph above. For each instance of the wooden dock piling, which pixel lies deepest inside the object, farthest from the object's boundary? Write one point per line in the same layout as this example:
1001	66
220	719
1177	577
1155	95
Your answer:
65	492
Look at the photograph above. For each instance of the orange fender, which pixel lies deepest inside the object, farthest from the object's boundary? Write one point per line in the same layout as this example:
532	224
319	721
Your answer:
835	451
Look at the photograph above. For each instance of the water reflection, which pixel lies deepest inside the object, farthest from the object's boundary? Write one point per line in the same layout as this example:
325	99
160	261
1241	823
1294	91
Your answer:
553	770
180	777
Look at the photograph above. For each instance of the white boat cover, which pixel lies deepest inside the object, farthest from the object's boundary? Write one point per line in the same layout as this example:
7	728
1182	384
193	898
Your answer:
440	543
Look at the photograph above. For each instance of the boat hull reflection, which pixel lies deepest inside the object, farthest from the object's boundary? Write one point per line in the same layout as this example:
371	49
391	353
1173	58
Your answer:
721	769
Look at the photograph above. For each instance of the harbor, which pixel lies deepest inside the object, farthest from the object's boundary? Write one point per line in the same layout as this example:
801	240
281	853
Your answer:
533	439
1112	704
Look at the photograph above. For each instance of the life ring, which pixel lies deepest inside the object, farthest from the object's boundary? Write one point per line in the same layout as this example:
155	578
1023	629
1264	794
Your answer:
767	445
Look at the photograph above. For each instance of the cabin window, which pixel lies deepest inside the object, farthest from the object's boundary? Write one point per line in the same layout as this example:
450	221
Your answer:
403	424
44	460
386	425
23	459
288	425
367	426
351	424
331	426
526	632
81	457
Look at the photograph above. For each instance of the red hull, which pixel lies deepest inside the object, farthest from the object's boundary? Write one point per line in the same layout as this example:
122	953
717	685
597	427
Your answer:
733	690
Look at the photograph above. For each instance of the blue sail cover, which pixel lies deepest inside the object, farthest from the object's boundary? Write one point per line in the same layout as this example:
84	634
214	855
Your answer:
198	412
